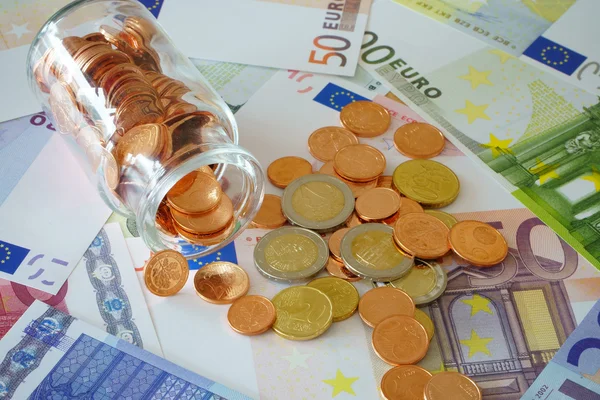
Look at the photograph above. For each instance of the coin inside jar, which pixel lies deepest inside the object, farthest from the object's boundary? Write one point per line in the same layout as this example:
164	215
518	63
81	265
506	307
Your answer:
142	141
377	204
359	162
365	118
206	223
290	254
284	170
421	235
400	340
368	251
419	140
251	315
195	193
382	302
325	142
166	273
318	202
221	282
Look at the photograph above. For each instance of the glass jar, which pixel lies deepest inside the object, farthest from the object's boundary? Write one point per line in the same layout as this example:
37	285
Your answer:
146	125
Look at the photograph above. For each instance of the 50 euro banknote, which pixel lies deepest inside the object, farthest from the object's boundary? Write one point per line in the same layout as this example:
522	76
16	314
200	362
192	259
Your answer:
533	133
499	325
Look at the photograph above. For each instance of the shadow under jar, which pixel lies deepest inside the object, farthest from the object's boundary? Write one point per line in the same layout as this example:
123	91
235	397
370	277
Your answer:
155	138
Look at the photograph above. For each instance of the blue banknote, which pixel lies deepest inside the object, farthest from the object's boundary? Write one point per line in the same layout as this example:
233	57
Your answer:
50	355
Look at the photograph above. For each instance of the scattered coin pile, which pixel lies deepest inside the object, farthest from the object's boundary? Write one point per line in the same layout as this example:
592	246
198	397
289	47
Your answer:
151	124
380	231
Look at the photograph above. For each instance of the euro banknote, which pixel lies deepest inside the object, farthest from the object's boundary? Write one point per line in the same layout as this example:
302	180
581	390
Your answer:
508	25
499	325
103	290
532	132
50	354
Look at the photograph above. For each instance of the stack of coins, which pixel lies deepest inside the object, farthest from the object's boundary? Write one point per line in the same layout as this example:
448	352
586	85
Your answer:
149	124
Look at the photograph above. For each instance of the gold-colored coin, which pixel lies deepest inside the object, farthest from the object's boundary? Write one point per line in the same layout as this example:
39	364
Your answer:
365	118
478	243
420	280
426	322
284	170
428	182
166	273
448	219
451	385
359	163
303	313
343	295
325	142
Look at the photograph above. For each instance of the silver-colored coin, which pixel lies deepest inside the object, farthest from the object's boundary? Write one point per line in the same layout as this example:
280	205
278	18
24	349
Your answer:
290	254
368	251
322	208
438	284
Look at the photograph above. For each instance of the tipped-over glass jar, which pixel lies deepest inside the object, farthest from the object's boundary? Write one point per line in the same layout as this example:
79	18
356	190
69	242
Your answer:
157	140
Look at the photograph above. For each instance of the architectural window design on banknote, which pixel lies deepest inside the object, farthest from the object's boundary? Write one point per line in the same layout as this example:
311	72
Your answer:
111	298
42	334
93	369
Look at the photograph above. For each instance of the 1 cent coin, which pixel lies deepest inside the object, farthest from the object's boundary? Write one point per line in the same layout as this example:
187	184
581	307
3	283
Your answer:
270	214
166	273
400	340
284	170
419	140
408	206
383	302
405	382
365	118
338	269
251	315
335	242
377	204
478	243
207	223
221	282
421	235
195	193
325	142
451	385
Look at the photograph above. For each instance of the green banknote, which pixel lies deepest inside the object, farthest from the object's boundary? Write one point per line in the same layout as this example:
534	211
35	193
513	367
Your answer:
537	135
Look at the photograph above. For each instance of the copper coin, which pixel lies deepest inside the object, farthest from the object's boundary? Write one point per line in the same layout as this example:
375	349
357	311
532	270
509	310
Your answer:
419	140
221	282
357	188
207	223
166	273
408	206
353	221
405	382
143	109
359	162
164	219
421	235
377	204
251	315
451	385
210	239
335	240
339	270
478	243
385	181
270	215
325	142
144	141
195	193
400	340
383	302
365	118
284	170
